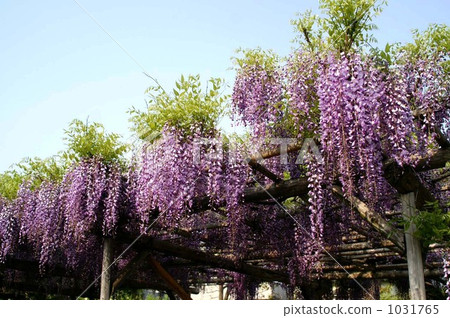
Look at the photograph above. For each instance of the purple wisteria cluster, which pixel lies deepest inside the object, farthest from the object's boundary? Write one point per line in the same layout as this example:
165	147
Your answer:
91	191
60	222
301	74
446	268
350	92
9	228
64	222
428	92
359	114
168	178
257	97
178	168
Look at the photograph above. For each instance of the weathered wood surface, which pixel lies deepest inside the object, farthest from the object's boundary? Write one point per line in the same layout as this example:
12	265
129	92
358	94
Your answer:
165	275
214	261
413	250
374	219
129	269
105	285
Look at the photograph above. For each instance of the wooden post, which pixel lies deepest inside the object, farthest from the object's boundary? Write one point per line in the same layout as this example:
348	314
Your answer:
177	288
105	287
227	293
413	250
220	291
334	289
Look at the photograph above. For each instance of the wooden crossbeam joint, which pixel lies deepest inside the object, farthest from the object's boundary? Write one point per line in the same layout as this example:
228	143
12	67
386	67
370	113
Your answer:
374	219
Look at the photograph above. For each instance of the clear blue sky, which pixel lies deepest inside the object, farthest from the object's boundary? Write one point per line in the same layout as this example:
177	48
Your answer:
56	64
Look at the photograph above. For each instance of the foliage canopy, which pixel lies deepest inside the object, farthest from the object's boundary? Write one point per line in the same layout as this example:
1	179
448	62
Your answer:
186	107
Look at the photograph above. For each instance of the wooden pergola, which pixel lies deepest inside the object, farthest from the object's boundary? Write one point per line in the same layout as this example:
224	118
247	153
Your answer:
158	263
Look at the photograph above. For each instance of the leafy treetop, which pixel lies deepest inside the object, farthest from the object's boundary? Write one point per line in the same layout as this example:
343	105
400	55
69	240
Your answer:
83	141
346	25
266	59
187	106
34	170
87	140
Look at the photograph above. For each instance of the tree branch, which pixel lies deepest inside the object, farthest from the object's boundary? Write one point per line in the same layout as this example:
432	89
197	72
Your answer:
374	219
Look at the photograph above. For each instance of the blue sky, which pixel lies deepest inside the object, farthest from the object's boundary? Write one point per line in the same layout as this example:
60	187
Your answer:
56	64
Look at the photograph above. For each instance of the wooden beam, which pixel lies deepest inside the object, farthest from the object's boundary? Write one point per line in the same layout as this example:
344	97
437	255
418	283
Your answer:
441	139
105	285
406	180
299	187
374	219
282	190
437	160
362	245
391	274
128	269
276	152
213	261
263	170
413	250
442	176
165	275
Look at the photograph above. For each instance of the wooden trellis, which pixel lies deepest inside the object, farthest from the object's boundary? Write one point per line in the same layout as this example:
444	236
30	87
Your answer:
360	257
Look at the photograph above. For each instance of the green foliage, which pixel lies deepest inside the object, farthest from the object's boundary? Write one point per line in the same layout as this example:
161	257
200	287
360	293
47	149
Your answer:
37	169
349	22
187	106
89	140
388	291
386	57
34	170
286	175
136	294
10	182
83	140
434	39
128	294
432	42
433	225
309	34
346	25
151	297
266	59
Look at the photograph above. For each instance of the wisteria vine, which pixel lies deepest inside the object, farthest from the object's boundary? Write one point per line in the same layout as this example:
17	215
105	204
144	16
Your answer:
357	112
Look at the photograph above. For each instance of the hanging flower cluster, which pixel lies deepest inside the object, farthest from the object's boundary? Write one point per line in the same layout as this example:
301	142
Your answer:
168	178
257	96
62	219
42	225
301	73
446	267
397	122
359	114
9	229
91	191
349	99
178	168
428	92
